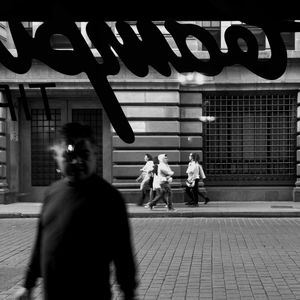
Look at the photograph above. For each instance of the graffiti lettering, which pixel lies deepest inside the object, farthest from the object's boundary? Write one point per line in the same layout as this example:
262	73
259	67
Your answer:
9	102
151	49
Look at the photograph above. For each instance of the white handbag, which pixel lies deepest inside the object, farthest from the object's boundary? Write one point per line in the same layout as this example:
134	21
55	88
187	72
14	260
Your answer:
201	172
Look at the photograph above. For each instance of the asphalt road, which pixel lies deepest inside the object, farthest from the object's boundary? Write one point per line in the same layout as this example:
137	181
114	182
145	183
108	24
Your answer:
188	258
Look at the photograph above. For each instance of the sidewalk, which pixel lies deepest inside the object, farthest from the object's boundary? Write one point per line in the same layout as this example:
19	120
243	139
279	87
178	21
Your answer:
212	209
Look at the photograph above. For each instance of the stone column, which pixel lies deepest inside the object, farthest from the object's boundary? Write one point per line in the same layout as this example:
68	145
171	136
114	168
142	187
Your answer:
3	157
200	151
296	193
191	130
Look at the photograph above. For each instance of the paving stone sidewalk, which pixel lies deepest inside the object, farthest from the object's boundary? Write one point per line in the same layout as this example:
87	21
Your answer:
188	258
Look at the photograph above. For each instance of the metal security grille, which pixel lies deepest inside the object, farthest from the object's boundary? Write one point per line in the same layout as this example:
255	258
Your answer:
93	118
43	132
252	141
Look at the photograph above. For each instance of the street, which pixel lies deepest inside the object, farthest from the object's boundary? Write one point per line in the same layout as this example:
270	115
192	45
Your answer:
188	258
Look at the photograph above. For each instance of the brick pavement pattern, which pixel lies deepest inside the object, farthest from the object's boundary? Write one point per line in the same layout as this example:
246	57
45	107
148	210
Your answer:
188	258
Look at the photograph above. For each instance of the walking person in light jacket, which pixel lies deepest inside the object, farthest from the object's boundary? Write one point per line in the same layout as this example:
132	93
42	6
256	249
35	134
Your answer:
164	178
195	173
145	184
202	176
193	180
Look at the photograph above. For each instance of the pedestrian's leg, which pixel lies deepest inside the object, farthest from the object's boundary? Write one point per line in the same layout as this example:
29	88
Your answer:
195	192
151	197
190	194
186	190
151	194
206	199
163	193
169	197
145	188
156	198
166	198
142	198
204	196
154	194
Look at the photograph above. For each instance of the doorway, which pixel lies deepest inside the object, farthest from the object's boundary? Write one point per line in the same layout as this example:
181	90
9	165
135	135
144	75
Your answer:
38	168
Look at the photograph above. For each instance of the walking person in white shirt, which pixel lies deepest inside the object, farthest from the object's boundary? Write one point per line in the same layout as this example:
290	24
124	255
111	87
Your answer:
195	173
202	176
161	183
155	186
146	178
192	180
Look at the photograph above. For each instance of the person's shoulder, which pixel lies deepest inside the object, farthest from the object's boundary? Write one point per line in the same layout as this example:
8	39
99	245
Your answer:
113	197
53	188
99	181
54	185
103	185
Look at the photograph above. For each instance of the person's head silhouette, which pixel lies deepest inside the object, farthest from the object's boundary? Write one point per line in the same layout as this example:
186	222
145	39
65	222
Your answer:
75	152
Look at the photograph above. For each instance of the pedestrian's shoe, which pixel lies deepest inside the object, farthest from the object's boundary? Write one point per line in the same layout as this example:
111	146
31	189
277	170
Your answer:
149	206
206	200
171	209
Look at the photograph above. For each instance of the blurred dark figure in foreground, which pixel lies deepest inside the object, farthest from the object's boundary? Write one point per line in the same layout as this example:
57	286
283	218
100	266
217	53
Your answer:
83	227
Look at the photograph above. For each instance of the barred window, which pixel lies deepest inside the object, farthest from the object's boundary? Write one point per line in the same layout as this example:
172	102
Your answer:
43	133
92	118
253	140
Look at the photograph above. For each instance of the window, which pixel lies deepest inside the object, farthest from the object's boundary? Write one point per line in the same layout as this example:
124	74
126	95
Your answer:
253	140
92	118
43	133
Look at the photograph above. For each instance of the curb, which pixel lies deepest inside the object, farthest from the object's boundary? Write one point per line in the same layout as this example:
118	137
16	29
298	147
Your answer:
18	215
177	214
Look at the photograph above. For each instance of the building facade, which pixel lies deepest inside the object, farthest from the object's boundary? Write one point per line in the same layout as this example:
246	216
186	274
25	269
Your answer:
250	153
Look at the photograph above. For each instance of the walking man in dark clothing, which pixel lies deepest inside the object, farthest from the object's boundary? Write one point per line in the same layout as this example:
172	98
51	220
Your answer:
83	228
